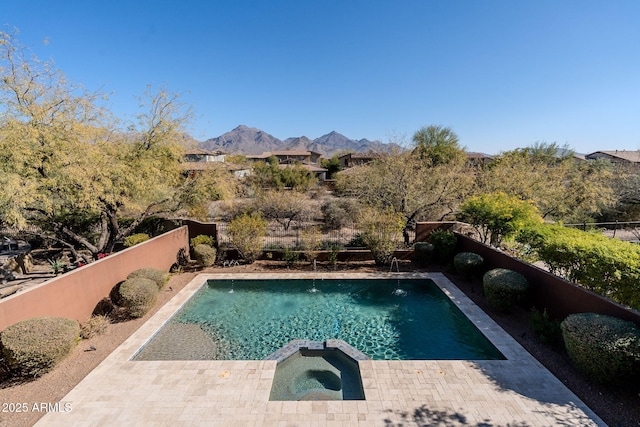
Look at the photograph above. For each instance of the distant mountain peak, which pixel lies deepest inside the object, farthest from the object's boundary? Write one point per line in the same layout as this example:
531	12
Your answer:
248	140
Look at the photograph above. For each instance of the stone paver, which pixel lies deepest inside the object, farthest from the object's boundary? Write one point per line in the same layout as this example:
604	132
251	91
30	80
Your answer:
518	391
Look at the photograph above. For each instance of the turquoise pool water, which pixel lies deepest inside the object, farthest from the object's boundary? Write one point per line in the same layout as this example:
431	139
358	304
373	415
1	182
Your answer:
384	319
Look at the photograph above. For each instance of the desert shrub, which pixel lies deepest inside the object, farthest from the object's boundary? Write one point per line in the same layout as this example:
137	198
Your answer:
33	347
160	277
356	241
104	307
607	266
498	215
380	231
334	251
138	295
504	288
96	325
205	255
444	245
468	263
546	329
134	239
290	256
605	348
202	239
338	213
311	242
247	232
423	253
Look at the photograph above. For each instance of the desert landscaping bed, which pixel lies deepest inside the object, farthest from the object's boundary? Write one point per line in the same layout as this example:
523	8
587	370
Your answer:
617	408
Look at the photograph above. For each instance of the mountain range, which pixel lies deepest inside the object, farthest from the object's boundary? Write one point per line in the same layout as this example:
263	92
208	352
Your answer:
246	140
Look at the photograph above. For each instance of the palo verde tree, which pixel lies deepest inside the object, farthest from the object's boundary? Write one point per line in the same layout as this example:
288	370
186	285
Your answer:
412	183
561	187
438	145
498	215
68	172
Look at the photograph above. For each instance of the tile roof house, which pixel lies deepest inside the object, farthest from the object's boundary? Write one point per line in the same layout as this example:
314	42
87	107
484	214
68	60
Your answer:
478	160
196	160
310	160
349	160
200	155
617	156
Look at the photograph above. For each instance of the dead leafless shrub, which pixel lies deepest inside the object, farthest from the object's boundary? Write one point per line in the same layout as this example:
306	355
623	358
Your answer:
96	325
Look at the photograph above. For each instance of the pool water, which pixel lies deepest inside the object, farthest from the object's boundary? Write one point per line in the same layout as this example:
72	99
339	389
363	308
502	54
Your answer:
386	319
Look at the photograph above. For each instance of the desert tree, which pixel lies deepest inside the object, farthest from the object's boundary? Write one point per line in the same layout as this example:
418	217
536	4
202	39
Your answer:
561	186
411	186
438	145
286	207
498	216
69	171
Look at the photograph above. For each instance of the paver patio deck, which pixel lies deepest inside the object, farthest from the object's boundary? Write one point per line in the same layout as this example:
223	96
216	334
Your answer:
518	391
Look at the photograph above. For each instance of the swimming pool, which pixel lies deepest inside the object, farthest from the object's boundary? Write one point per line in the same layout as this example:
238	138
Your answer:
386	319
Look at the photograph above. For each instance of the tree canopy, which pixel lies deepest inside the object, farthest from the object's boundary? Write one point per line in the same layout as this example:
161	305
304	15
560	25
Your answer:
438	145
68	171
498	215
418	189
561	187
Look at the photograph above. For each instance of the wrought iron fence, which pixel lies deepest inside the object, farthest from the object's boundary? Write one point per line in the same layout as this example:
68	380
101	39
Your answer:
293	237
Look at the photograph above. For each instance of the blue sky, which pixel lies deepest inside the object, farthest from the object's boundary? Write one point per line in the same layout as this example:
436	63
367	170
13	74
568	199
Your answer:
501	73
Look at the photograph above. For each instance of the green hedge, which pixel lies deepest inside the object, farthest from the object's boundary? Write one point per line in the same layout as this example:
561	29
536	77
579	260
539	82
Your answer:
138	295
444	245
33	347
504	288
607	266
468	263
205	255
605	348
160	277
423	253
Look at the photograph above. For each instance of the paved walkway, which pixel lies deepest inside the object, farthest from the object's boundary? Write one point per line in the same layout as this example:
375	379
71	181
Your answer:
518	391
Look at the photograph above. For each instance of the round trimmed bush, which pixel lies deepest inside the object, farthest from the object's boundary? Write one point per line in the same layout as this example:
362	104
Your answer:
468	263
205	255
423	253
138	295
34	346
444	245
160	277
504	288
605	348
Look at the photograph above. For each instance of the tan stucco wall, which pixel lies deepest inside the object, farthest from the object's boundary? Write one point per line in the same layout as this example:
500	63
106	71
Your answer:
74	295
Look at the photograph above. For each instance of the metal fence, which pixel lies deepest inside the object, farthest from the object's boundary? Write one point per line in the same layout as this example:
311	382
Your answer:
624	230
293	237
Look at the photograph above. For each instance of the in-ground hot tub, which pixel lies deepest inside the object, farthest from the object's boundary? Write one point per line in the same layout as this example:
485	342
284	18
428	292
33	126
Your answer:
309	370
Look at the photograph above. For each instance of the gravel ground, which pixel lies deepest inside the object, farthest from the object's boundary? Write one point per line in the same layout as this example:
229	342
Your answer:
616	408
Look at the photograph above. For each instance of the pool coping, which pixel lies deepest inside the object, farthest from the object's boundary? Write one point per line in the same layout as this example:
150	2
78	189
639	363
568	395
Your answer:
126	392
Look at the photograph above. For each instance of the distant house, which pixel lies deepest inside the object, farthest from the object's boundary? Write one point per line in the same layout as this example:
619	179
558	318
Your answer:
198	160
478	160
350	160
617	156
199	155
289	157
310	160
239	171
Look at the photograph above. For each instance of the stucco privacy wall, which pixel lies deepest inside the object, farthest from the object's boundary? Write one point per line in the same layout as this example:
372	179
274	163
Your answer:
74	295
560	297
